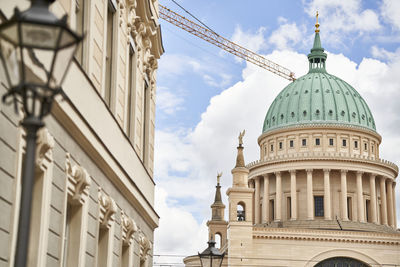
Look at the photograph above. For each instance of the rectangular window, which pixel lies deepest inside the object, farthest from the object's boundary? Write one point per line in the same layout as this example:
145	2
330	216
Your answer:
272	148
289	207
145	119
367	209
131	93
349	208
280	145
79	27
272	210
103	241
304	142
317	142
331	141
109	53
291	143
319	206
365	146
355	144
372	149
72	235
344	142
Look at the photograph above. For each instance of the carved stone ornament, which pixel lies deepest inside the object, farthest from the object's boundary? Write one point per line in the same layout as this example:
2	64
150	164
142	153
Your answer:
78	181
107	209
145	247
121	6
128	228
45	144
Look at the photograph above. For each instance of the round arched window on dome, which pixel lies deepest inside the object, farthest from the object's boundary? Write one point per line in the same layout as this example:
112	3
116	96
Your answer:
306	91
292	114
342	113
330	112
304	113
341	261
317	112
353	114
282	116
363	116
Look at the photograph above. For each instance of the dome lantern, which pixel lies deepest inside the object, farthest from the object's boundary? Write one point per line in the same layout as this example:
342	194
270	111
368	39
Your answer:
317	57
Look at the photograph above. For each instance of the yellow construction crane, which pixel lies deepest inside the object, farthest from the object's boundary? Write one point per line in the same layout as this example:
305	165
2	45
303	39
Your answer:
223	43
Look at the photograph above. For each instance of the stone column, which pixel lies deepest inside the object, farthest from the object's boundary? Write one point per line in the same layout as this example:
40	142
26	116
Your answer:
257	200
278	205
383	201
389	191
373	203
293	194
343	195
265	214
310	213
360	199
327	195
394	204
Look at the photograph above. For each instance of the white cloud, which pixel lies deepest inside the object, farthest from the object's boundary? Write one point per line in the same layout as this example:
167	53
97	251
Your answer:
287	35
254	42
343	17
187	161
390	10
168	102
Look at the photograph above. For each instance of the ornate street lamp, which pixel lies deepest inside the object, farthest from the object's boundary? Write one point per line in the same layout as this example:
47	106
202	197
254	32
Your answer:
211	256
36	49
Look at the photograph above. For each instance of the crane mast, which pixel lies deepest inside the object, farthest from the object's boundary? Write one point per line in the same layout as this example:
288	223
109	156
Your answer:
223	43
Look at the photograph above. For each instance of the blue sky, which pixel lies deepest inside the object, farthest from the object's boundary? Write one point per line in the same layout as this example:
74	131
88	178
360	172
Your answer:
206	96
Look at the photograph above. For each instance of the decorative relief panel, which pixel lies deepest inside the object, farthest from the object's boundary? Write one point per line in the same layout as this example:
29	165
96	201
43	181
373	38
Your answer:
45	144
107	209
78	181
128	229
145	247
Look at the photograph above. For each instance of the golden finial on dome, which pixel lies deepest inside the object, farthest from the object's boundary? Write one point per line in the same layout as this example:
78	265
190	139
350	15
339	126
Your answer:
317	24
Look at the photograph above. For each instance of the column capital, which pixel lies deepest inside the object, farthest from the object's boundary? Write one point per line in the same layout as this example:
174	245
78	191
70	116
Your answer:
256	178
383	178
277	173
266	175
309	170
360	172
326	170
372	175
344	171
292	171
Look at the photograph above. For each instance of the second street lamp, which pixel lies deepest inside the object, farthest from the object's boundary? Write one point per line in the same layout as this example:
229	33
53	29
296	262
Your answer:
211	256
36	49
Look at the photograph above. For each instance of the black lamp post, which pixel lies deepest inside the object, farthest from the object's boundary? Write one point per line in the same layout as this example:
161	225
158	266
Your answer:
211	256
36	49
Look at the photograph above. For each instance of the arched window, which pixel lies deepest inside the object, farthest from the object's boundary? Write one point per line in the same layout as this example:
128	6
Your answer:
341	261
241	213
218	240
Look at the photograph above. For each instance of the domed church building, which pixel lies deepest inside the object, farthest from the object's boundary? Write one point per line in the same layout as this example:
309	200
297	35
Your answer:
319	195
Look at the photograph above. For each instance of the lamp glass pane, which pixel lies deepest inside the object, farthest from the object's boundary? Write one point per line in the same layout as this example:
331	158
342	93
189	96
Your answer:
40	36
10	33
11	61
217	261
67	39
37	65
205	261
61	64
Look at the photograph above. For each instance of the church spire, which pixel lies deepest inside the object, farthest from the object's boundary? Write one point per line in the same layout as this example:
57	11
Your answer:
218	207
317	57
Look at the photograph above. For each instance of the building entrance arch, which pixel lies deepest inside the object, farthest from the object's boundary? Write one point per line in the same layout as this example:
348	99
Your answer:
341	262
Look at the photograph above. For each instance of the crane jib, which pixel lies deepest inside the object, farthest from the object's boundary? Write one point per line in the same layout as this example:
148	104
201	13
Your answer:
223	43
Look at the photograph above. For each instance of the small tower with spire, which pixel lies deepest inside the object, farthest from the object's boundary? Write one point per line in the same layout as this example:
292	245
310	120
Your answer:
240	241
217	225
317	57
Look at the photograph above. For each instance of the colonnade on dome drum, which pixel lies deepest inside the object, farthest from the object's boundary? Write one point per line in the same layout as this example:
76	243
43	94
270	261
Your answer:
323	193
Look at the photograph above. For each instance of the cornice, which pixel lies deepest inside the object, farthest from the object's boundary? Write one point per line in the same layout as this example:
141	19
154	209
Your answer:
326	235
324	156
316	125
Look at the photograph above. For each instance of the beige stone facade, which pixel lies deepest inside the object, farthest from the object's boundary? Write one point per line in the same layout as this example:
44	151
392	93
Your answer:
93	200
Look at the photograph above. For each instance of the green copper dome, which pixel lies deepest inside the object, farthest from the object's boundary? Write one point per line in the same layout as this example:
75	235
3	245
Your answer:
318	98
